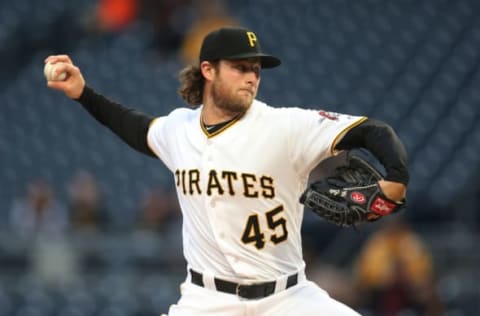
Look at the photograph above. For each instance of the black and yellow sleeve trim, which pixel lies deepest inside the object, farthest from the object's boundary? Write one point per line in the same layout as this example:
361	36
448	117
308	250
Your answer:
382	141
339	136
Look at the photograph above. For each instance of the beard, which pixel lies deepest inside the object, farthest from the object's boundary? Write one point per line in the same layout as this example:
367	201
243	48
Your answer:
228	101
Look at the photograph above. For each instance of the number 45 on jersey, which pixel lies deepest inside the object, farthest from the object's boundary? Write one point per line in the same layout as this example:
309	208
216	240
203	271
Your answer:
277	227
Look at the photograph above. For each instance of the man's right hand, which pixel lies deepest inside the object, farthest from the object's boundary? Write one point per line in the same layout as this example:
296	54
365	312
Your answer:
73	85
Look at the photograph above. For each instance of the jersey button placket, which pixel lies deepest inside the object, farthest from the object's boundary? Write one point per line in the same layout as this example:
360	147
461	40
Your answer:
211	202
208	166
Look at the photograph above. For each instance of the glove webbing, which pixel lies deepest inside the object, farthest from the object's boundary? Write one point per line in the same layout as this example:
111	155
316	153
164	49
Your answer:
339	214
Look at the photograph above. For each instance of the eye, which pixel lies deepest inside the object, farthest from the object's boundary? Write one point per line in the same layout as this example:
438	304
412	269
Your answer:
245	68
241	68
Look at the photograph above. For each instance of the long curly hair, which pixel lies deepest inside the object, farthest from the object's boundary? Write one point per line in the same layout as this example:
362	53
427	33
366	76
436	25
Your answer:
191	85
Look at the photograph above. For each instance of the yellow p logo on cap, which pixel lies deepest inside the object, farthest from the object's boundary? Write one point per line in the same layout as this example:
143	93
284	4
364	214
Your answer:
252	38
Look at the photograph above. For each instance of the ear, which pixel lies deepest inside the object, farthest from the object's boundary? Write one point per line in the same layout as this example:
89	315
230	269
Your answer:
208	70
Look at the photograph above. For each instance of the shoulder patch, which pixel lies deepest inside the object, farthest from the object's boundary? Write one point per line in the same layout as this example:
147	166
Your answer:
329	115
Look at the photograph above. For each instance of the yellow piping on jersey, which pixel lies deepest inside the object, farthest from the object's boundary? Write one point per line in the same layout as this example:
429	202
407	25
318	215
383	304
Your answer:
343	132
210	135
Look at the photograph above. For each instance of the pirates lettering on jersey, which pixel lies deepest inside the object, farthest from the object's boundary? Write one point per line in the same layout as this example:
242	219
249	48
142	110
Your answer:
225	182
193	177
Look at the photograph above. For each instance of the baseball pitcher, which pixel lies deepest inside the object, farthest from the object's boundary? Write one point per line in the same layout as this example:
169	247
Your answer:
241	171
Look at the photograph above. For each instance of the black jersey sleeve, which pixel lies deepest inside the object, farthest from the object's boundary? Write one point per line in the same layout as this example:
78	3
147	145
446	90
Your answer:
128	124
382	141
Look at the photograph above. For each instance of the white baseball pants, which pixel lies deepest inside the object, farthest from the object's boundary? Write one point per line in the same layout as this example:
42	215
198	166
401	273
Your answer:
303	299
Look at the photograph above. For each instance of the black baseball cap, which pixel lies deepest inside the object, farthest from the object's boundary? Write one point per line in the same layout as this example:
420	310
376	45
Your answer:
234	43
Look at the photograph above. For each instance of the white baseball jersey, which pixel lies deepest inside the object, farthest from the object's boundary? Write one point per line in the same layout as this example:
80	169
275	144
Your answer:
239	188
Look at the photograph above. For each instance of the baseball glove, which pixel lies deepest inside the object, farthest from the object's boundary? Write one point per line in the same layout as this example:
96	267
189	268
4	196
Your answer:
352	194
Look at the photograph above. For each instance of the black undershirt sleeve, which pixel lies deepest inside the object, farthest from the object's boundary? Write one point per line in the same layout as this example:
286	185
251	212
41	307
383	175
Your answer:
382	141
130	125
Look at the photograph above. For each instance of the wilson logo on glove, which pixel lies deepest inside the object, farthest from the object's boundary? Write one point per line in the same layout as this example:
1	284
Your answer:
382	207
358	197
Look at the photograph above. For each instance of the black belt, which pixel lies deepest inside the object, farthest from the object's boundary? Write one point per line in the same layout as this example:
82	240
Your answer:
250	291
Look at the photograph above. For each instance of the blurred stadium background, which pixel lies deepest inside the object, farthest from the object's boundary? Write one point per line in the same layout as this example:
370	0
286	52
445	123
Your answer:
413	63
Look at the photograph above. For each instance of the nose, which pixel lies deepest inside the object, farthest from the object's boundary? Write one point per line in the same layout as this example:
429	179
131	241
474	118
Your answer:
252	77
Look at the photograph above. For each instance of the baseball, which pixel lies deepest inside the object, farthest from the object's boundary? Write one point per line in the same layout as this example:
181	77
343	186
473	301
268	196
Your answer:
49	72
